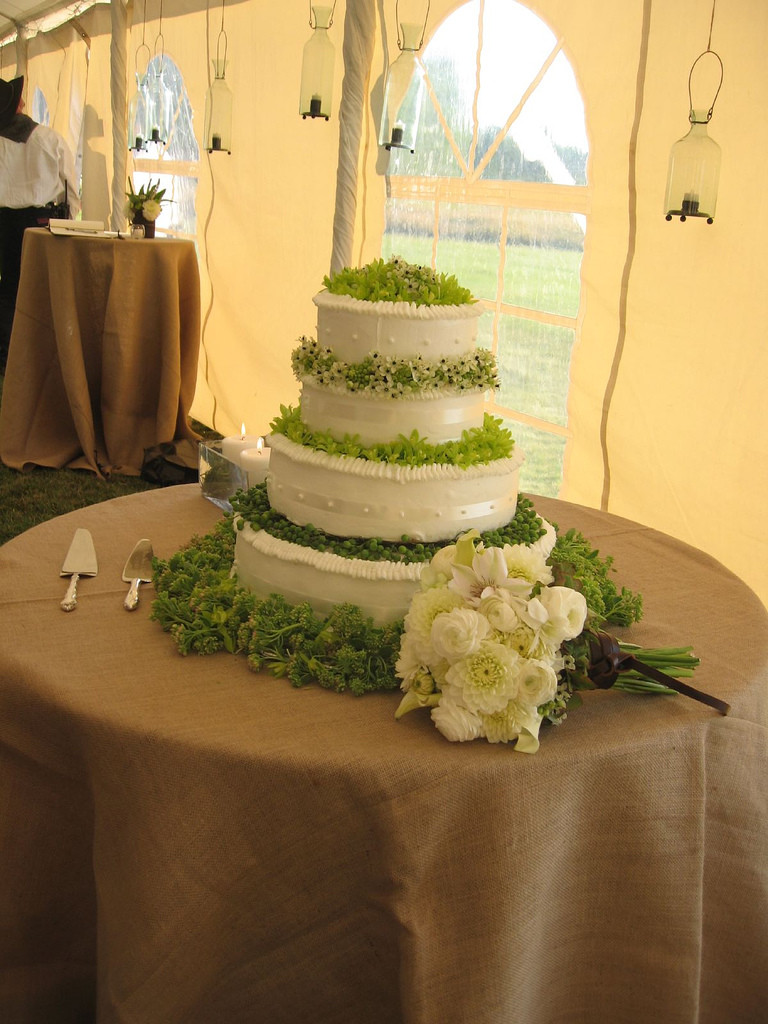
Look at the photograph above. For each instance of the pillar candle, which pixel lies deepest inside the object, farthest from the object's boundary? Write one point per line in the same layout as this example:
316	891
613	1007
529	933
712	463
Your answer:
255	462
233	447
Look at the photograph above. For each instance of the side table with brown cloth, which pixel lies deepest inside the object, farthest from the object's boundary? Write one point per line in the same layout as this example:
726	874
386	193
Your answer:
103	357
184	841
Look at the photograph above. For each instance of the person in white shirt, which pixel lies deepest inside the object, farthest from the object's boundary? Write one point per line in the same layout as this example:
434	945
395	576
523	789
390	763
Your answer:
37	182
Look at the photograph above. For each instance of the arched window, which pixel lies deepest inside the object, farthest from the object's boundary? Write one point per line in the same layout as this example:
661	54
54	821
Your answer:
496	193
175	161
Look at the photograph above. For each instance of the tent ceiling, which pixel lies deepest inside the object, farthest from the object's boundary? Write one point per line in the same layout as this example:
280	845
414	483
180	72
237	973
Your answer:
38	15
45	15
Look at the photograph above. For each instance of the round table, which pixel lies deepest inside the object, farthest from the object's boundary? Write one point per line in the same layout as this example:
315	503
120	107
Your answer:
185	841
103	356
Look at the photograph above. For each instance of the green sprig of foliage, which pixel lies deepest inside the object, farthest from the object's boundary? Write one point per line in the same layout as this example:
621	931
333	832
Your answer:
343	651
197	601
477	446
576	564
205	610
394	280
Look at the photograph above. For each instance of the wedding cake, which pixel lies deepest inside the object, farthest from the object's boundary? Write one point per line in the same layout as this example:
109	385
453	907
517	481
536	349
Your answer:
389	455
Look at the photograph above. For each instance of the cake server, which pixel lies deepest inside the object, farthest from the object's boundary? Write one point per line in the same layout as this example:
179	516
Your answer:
80	561
138	569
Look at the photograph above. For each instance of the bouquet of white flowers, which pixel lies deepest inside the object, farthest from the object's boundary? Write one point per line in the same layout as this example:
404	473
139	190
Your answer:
494	646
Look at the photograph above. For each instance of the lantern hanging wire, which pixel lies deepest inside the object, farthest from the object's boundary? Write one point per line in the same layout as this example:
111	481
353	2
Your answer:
400	39
137	109
313	23
159	57
221	34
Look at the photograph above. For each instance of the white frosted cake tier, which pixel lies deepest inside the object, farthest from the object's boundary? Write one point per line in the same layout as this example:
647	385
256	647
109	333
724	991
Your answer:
350	497
380	419
266	565
353	328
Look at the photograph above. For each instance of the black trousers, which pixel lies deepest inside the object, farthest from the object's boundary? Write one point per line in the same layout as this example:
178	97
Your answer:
13	224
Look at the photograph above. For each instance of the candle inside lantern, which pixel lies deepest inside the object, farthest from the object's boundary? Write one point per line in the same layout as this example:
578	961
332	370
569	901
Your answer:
139	144
255	462
155	135
215	142
690	203
233	447
315	106
397	134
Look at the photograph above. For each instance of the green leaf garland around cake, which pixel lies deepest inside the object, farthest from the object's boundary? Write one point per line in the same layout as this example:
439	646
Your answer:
477	446
201	605
253	508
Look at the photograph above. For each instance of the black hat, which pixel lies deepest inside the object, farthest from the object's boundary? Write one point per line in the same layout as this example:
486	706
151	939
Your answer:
10	94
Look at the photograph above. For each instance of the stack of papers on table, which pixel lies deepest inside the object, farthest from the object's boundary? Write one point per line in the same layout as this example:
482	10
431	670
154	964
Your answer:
80	227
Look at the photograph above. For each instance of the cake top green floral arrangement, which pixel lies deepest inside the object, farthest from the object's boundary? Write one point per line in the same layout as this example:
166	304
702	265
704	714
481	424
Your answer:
394	280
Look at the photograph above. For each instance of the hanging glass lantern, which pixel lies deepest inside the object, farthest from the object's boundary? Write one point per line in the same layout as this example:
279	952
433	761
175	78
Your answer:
160	104
139	127
694	164
403	92
317	66
217	129
138	116
218	112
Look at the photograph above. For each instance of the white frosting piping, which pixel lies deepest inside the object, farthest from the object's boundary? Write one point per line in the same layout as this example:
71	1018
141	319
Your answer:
404	310
326	561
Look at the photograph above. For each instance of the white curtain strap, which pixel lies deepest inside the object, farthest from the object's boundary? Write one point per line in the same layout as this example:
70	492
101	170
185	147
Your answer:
118	49
359	34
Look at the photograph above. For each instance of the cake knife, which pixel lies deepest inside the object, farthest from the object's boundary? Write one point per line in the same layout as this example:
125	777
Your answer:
138	569
80	561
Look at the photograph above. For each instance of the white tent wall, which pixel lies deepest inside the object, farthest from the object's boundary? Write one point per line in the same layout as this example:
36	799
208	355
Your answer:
666	410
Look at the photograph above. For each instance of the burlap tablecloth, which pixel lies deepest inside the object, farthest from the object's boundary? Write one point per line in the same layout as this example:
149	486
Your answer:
183	841
103	356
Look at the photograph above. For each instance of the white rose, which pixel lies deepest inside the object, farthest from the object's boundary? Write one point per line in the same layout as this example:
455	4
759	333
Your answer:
500	611
566	611
537	682
457	633
455	722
